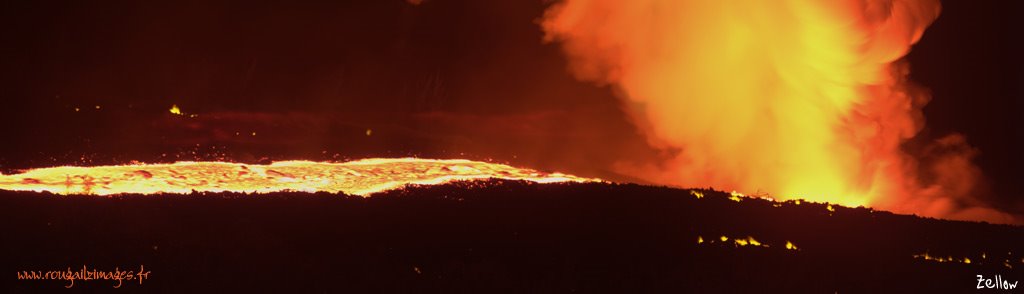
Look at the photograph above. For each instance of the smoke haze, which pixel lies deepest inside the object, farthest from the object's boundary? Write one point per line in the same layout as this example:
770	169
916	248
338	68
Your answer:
796	99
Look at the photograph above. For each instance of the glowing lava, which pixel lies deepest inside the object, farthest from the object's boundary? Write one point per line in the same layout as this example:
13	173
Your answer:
361	177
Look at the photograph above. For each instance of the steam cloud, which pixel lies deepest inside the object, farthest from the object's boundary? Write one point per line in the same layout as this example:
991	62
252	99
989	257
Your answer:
796	98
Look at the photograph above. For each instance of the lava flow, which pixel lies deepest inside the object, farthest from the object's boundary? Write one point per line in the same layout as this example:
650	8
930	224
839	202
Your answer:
361	177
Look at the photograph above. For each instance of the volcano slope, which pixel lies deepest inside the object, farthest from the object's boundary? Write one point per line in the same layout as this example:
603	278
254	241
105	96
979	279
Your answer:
496	236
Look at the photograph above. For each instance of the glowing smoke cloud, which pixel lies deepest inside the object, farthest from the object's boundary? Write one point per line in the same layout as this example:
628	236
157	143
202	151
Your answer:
797	98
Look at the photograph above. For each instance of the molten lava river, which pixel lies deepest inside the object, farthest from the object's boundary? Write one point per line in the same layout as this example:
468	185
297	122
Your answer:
361	177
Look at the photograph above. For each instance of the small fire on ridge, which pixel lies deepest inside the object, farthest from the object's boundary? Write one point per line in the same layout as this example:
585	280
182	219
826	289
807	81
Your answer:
360	177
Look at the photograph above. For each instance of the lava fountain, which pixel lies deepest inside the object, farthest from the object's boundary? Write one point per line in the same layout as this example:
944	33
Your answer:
361	177
795	98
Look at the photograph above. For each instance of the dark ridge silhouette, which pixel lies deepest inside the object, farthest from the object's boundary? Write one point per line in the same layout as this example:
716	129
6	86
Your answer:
495	236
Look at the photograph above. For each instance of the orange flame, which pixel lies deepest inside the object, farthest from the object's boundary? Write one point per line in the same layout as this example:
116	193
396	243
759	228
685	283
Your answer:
800	98
362	177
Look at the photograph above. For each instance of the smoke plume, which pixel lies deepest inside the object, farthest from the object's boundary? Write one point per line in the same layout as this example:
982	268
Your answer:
792	98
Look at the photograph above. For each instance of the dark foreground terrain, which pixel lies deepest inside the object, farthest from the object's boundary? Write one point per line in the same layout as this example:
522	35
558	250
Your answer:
497	236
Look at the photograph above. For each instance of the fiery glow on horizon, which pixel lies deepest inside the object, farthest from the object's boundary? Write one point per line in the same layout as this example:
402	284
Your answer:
966	260
797	98
741	242
361	177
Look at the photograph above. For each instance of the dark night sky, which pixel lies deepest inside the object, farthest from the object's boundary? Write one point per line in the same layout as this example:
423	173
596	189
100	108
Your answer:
448	78
971	60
